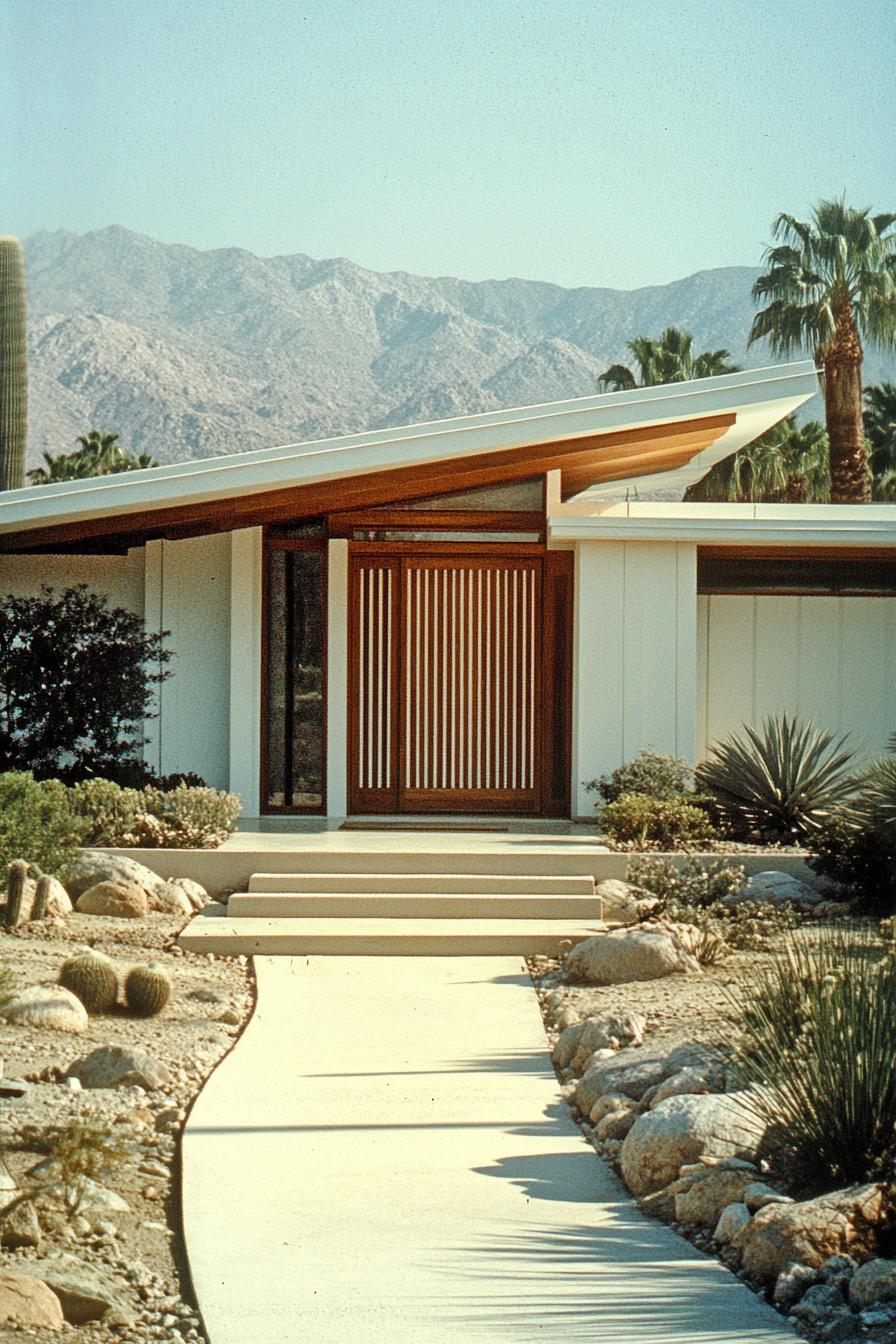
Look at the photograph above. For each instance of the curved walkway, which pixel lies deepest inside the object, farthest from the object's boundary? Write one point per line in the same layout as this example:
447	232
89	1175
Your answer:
385	1158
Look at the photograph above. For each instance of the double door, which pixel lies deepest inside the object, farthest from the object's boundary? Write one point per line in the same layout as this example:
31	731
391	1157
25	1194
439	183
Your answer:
454	680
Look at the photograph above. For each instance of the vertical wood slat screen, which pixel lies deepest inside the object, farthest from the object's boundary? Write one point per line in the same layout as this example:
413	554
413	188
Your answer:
469	680
373	676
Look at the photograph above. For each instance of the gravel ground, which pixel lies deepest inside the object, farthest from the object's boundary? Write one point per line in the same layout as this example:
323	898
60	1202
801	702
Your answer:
139	1248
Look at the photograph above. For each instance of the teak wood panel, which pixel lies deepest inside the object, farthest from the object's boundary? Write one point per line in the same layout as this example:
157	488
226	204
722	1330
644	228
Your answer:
448	710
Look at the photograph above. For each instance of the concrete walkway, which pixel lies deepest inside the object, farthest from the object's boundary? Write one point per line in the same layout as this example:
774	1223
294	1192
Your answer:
385	1158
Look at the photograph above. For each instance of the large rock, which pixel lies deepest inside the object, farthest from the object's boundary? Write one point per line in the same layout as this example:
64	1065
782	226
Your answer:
120	899
92	867
619	900
774	888
845	1222
120	1066
732	1218
710	1194
195	892
630	1072
695	1078
577	1043
27	1301
648	952
20	1227
171	899
875	1281
85	1292
47	1007
684	1129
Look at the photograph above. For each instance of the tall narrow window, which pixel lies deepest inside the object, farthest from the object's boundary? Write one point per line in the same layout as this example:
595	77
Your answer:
296	680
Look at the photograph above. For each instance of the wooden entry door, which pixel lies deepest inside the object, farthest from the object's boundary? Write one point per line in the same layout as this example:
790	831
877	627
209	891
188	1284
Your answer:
447	681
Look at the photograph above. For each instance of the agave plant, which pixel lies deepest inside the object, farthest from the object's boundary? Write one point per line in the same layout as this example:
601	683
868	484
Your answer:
875	806
779	783
816	1057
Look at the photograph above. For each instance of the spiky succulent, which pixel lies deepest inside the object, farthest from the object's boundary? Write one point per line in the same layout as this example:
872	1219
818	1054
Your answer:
779	783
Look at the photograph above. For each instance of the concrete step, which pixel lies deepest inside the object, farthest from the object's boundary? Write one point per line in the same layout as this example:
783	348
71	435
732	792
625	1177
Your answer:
466	884
542	858
227	936
460	904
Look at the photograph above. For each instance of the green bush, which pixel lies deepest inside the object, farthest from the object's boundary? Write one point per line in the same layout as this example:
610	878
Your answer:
106	811
77	682
650	773
817	1056
638	821
777	784
36	822
692	883
857	848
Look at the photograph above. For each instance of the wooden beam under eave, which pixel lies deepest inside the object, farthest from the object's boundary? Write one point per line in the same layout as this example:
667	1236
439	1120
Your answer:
574	482
370	490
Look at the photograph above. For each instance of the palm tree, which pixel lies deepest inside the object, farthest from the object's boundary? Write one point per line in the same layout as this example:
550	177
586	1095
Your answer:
830	283
670	359
879	420
787	464
99	455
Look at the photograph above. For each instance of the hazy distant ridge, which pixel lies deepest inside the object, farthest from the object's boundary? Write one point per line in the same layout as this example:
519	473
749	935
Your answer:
191	354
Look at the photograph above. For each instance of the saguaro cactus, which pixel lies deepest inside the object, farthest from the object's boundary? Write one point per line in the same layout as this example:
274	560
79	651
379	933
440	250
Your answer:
13	365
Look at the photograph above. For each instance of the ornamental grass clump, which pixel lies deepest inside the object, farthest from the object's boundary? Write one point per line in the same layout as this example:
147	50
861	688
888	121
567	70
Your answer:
779	784
817	1055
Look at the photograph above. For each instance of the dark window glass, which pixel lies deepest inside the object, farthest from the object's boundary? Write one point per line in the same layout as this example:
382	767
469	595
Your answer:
295	718
806	576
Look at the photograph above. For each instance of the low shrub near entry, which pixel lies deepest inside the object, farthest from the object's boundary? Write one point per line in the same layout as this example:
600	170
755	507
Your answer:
637	821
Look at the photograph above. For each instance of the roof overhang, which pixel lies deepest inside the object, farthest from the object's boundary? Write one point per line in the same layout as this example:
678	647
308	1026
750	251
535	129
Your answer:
647	436
781	527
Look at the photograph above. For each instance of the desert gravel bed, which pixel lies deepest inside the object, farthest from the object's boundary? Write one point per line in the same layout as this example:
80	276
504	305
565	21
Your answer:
135	1243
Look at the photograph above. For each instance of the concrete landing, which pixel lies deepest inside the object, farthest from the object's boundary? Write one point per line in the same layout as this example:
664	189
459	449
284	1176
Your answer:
385	1157
250	935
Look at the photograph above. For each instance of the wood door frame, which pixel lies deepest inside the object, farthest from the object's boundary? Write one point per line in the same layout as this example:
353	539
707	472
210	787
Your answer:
553	756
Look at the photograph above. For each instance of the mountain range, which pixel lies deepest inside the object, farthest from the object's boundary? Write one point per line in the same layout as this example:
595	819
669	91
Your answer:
187	353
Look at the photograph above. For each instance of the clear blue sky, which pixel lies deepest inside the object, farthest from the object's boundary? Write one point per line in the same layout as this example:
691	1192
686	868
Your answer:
579	141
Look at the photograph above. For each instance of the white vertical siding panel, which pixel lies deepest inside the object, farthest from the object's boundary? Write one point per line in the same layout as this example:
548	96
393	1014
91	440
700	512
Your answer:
731	657
650	636
828	659
777	635
686	650
703	623
599	676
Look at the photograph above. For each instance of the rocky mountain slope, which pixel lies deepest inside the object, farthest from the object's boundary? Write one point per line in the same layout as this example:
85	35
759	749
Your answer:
191	354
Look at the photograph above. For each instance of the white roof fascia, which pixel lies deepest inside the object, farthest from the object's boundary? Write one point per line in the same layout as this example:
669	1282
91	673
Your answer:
238	474
733	524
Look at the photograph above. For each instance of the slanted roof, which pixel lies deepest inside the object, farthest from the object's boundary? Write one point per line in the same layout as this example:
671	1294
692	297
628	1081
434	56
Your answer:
667	435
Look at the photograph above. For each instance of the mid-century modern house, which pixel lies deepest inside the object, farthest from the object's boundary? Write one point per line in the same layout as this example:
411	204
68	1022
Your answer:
477	615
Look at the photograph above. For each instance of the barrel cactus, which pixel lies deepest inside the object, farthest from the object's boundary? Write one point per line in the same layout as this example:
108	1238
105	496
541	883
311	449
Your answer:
93	978
15	892
147	989
13	365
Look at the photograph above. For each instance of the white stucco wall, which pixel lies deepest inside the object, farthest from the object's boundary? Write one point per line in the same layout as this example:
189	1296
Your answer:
118	577
635	659
829	659
187	590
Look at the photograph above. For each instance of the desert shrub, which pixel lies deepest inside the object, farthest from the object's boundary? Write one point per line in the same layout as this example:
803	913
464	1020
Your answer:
692	883
107	812
81	1152
649	773
176	816
76	684
36	822
637	821
857	847
183	818
817	1056
777	784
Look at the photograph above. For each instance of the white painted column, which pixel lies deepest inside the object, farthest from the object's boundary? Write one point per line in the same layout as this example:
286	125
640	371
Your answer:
245	667
153	623
635	684
337	678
